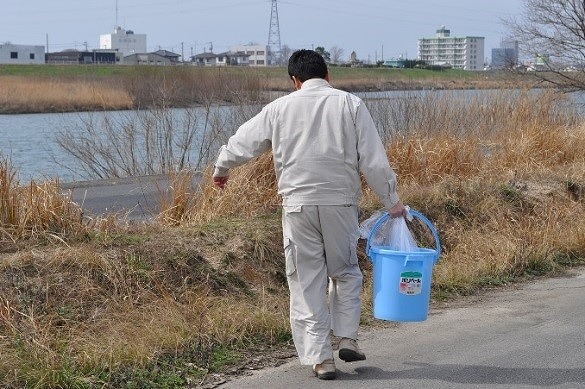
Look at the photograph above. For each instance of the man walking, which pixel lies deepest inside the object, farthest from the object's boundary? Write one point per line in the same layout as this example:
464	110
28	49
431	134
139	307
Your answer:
321	139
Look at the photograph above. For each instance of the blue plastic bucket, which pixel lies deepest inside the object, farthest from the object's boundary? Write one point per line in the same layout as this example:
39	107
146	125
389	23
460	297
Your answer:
402	279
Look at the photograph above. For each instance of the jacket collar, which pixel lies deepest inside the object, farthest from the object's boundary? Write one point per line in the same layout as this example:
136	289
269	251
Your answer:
314	83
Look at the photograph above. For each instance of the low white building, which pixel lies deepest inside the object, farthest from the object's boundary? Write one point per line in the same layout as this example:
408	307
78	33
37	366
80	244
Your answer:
124	41
21	54
258	55
222	59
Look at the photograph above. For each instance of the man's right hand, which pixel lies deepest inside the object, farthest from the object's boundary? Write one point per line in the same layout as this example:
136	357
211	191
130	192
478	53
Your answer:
220	181
397	210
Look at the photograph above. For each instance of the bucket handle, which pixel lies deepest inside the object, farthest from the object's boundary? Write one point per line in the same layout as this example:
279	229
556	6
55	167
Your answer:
416	214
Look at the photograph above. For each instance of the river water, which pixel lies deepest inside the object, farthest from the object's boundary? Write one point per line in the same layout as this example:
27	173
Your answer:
29	140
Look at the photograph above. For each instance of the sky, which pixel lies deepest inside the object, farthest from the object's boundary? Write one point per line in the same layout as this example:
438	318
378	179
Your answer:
375	30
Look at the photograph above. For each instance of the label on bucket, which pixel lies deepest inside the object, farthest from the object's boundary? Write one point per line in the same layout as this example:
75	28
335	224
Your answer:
410	283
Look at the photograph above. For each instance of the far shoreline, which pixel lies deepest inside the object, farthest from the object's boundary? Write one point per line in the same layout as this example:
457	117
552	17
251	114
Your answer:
143	88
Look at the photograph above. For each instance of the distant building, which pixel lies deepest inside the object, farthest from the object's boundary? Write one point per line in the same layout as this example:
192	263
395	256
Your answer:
21	54
204	59
258	55
506	56
233	59
74	57
395	63
124	41
173	57
146	59
541	62
503	58
221	59
458	52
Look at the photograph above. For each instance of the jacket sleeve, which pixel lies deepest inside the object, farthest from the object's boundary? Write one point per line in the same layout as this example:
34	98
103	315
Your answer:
250	140
372	158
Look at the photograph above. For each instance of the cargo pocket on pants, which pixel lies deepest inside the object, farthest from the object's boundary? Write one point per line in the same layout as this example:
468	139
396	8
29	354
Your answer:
353	259
290	256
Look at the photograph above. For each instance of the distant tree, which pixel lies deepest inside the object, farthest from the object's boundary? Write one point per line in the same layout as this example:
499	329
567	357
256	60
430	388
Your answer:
552	32
336	54
326	55
285	52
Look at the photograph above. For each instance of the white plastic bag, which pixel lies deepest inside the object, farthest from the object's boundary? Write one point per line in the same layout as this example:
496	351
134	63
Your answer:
367	225
393	233
401	238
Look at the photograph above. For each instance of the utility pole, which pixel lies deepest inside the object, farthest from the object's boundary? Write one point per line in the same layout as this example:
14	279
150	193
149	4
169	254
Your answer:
274	34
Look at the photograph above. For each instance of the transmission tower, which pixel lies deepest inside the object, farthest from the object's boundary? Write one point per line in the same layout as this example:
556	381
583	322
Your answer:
274	35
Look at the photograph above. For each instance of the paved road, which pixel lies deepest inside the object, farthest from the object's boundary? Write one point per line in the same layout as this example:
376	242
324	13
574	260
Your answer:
136	197
526	336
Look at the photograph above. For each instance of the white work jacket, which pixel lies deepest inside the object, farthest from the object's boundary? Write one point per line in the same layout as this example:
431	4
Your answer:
321	138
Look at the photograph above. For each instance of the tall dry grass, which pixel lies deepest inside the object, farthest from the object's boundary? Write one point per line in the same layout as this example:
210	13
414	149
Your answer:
184	86
142	306
119	304
502	177
36	209
34	94
433	136
137	87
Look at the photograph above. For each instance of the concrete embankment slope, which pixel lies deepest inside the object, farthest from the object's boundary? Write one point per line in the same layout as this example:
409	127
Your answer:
523	336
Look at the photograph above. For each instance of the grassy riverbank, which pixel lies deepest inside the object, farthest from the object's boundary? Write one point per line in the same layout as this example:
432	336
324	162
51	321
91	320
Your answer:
200	293
65	88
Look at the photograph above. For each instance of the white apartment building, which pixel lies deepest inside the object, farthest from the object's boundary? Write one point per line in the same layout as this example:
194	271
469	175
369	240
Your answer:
21	54
258	54
458	52
124	41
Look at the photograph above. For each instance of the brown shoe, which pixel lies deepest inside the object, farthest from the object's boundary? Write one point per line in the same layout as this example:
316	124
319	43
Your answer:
349	350
325	370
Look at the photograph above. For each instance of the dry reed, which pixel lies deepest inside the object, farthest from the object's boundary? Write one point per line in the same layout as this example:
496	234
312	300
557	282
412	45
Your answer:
36	209
132	299
489	171
30	94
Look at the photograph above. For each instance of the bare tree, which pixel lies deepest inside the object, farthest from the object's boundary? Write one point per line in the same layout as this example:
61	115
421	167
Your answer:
156	141
285	52
553	33
336	54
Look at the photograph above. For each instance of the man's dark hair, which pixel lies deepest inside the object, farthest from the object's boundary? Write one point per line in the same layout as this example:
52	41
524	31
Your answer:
306	64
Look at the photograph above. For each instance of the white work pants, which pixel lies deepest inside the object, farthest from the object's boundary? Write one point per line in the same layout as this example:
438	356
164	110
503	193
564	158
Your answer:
320	245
